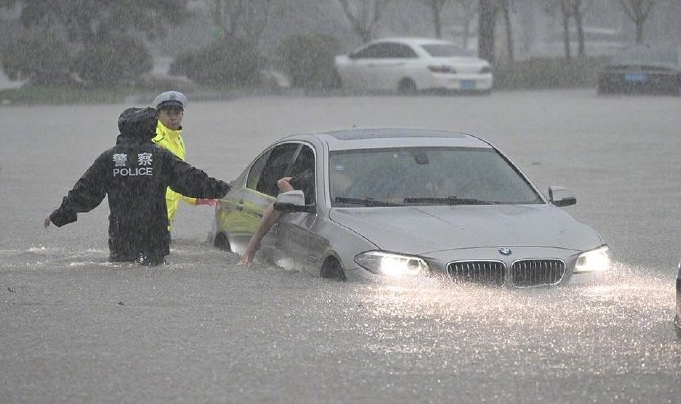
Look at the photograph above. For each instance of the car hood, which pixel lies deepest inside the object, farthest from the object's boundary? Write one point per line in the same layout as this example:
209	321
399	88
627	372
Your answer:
422	230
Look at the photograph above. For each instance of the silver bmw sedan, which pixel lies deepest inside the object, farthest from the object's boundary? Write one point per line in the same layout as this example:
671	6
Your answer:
395	203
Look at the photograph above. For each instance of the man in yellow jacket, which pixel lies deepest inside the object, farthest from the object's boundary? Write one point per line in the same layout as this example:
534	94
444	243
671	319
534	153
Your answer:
170	106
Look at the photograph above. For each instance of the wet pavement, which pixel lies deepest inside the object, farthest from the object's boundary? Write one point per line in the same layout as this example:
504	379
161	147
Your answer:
77	329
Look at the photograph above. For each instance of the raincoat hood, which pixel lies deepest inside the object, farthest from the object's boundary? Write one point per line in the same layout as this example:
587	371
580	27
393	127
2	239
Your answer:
138	123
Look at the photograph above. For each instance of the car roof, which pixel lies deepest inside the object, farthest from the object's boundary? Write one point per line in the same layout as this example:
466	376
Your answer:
369	138
658	55
413	40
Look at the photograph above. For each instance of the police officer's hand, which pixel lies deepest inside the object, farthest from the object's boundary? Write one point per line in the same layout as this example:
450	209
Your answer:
47	222
206	201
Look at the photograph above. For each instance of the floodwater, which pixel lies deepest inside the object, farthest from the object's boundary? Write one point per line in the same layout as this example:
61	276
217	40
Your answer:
77	329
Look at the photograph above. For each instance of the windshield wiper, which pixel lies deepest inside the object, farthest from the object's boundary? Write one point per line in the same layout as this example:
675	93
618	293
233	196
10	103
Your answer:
450	200
368	202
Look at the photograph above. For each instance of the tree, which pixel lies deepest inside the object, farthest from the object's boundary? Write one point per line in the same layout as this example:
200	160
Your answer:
92	21
229	62
364	15
100	32
436	7
565	14
638	11
101	65
571	9
308	60
241	18
488	11
505	7
487	19
468	9
578	9
38	56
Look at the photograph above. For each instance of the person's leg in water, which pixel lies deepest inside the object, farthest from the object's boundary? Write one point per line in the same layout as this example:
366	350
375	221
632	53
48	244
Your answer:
121	252
269	217
116	257
147	259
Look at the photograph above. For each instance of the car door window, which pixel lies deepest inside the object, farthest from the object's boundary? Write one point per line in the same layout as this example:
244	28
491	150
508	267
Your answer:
398	51
386	50
256	170
264	176
304	160
370	52
302	171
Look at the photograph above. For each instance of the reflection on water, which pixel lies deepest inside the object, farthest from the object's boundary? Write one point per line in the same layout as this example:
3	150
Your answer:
419	337
619	324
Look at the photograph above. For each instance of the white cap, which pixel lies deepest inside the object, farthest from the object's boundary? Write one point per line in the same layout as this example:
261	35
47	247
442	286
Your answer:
170	99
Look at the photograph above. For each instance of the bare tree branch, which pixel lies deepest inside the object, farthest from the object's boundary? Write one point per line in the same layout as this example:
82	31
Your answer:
241	18
638	11
436	7
364	15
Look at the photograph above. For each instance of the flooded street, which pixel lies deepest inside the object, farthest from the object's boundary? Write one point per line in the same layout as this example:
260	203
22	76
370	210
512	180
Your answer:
77	329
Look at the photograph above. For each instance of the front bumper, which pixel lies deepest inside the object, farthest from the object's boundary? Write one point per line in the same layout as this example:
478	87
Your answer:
532	273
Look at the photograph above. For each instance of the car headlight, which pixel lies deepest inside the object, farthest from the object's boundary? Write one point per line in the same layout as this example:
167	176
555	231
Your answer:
391	264
593	260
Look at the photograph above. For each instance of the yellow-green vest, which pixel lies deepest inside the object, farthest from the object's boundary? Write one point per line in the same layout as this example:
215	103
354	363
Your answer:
172	140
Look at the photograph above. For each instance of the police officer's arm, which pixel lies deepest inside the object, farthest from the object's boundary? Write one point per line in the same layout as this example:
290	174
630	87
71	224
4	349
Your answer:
190	181
86	195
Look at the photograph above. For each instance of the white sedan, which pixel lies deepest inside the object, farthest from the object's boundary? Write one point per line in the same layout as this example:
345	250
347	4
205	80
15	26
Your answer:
408	65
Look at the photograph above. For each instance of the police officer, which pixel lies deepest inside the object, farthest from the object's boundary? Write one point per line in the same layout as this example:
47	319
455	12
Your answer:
170	106
134	176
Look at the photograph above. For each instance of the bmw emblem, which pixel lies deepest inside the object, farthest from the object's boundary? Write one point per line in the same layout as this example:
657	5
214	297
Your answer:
505	251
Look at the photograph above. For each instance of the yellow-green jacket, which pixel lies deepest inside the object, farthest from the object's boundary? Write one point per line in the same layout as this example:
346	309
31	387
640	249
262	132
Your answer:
172	140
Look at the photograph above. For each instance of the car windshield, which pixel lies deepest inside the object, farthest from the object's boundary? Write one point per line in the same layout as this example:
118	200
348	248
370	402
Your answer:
446	50
426	176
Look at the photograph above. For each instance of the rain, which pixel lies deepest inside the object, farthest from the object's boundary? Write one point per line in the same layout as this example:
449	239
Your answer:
78	329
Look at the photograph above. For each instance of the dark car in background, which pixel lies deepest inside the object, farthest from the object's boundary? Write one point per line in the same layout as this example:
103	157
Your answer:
643	69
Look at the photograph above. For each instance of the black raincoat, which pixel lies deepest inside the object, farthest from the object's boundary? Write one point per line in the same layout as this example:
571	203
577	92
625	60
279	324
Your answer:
134	176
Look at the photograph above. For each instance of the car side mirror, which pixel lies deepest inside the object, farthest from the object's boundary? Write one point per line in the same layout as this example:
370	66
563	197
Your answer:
292	201
561	196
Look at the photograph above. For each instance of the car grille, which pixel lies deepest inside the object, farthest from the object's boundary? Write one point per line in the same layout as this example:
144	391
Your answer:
486	272
537	272
524	273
